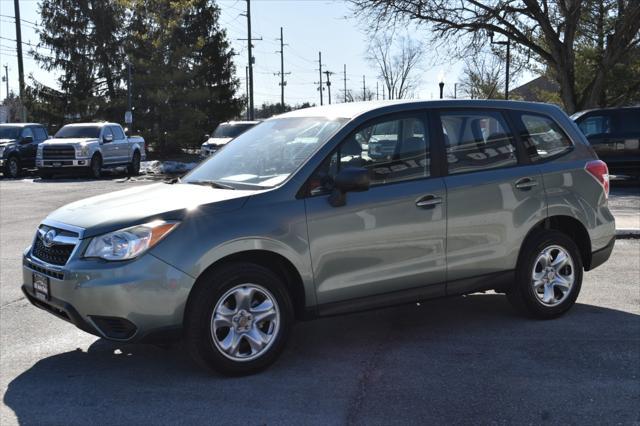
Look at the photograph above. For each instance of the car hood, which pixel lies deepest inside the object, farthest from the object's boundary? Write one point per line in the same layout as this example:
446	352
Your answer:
69	141
134	206
216	141
4	142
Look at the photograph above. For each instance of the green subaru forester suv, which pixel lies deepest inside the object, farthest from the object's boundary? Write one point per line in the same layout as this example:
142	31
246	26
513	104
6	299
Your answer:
330	210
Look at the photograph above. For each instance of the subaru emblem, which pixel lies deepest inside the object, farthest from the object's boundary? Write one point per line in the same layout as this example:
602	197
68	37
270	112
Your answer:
48	238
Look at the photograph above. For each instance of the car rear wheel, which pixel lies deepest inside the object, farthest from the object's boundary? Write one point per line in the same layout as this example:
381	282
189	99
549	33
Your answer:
238	319
12	168
548	276
134	167
95	168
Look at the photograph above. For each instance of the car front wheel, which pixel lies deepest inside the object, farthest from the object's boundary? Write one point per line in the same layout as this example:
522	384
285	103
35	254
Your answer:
238	319
548	276
12	168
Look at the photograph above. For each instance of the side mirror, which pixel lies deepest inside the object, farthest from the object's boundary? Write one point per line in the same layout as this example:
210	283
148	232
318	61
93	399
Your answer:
107	138
351	179
27	139
206	137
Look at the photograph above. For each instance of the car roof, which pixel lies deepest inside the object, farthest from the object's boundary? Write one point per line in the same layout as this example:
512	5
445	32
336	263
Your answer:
579	114
97	124
20	124
352	110
234	122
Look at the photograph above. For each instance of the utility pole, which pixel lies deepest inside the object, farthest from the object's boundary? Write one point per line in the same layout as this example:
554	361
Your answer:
282	73
246	88
383	98
320	69
364	89
6	78
16	9
328	74
250	40
345	82
129	115
377	93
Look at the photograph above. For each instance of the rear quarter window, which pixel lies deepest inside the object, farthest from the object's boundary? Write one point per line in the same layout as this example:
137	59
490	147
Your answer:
542	137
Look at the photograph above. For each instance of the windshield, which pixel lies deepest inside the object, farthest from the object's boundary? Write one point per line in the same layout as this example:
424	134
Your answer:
231	130
7	132
78	132
267	154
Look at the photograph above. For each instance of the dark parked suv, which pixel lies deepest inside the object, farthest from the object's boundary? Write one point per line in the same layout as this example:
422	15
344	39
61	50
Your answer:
19	146
614	133
331	210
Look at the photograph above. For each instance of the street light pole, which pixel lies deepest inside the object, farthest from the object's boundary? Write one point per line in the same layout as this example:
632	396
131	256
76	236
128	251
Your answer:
508	44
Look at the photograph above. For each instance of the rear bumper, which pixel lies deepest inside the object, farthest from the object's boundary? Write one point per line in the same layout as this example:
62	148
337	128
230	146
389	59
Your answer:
599	257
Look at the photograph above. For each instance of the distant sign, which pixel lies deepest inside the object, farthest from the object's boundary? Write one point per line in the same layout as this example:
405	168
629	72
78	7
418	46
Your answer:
128	117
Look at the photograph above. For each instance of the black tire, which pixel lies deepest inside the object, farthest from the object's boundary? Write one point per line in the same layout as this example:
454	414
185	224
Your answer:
214	286
95	167
12	169
522	295
133	168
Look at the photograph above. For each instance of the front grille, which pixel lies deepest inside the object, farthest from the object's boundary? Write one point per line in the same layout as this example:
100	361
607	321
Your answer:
115	328
57	254
48	272
58	152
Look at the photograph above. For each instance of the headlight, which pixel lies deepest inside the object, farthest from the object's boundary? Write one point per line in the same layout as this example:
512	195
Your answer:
129	243
82	151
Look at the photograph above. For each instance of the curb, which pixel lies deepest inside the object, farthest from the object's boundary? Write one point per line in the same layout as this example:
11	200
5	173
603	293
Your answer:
627	233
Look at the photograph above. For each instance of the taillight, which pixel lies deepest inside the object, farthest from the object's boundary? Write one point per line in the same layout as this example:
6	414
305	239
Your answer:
600	171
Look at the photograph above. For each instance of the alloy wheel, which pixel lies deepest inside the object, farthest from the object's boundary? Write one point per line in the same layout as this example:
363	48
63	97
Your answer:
245	322
553	275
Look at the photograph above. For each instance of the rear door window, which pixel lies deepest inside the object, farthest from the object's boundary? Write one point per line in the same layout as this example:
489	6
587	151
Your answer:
40	133
542	137
117	132
629	122
477	140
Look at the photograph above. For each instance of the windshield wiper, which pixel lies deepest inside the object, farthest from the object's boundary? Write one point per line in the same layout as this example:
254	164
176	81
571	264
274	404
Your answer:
212	183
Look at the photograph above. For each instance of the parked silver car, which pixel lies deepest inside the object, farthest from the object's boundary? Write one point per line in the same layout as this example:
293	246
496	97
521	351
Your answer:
224	133
89	148
330	210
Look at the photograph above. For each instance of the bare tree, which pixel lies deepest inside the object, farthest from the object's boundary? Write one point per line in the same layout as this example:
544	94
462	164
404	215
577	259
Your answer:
549	29
358	96
482	77
397	63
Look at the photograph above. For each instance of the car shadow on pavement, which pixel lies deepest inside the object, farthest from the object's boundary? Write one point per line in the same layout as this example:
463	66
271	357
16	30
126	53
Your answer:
468	359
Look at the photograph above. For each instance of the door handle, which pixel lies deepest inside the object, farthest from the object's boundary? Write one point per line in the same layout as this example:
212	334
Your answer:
526	184
429	201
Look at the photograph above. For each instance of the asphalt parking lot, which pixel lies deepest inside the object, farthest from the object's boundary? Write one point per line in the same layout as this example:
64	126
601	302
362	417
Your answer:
467	360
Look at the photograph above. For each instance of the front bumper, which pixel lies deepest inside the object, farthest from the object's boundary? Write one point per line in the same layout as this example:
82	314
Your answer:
57	164
138	300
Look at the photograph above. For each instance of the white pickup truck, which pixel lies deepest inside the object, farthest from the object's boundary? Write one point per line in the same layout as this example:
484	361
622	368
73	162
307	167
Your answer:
90	147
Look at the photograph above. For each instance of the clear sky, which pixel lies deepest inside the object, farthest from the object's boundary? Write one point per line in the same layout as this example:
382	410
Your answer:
309	26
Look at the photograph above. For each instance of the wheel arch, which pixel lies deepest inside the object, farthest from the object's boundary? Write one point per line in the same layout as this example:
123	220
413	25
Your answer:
570	226
273	261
